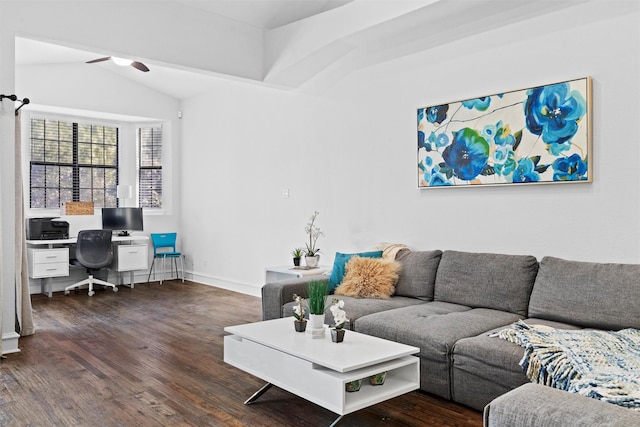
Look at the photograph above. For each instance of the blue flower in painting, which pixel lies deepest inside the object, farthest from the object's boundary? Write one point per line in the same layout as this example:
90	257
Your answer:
442	140
571	168
503	135
437	114
480	104
428	161
489	132
432	177
554	112
504	160
557	149
467	155
526	171
438	180
421	141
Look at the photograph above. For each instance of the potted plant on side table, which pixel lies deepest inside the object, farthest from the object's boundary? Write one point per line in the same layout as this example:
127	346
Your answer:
312	252
317	291
297	254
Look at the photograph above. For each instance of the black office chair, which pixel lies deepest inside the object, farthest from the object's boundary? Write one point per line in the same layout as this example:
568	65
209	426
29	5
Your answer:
93	252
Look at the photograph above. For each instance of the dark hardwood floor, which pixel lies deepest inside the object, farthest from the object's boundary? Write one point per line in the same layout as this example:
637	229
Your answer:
152	356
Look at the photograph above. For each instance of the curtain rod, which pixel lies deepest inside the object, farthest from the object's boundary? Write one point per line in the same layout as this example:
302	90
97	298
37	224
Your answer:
14	98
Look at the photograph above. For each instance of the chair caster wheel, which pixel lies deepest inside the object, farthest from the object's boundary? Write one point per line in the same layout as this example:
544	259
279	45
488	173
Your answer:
115	289
91	293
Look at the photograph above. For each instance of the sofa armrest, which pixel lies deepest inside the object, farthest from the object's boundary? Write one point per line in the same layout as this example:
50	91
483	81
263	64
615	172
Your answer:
535	405
276	294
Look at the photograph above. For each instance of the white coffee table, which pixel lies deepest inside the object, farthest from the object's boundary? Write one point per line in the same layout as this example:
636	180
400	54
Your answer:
319	369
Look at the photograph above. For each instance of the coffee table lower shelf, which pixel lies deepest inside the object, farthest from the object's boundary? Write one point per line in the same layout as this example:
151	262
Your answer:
320	385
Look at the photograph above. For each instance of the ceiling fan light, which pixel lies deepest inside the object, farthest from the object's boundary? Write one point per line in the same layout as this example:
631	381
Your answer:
121	61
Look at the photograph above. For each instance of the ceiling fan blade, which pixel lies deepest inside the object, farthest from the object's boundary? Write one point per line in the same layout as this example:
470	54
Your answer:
140	66
106	58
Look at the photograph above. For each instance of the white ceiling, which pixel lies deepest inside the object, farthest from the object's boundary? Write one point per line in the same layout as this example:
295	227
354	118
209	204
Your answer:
267	14
304	38
176	82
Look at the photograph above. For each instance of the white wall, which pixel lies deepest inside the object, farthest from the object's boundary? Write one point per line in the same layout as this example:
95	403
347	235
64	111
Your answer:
349	151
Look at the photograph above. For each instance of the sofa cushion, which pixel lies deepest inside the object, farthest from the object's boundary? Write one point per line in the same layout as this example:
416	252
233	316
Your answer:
369	278
594	295
434	327
358	307
498	281
340	262
485	366
418	273
535	405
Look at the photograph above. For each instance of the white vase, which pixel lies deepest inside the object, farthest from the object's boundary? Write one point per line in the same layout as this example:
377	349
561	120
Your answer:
312	261
315	326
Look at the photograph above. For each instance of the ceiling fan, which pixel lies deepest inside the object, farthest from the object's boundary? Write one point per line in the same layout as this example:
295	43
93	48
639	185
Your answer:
122	62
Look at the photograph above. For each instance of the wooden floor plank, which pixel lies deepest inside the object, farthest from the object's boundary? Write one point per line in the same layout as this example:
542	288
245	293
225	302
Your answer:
152	356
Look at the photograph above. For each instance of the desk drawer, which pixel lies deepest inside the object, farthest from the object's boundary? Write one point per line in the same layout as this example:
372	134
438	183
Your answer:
48	256
45	263
131	257
59	269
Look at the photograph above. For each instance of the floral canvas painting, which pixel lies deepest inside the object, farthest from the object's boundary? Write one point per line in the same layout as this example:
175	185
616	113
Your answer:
536	135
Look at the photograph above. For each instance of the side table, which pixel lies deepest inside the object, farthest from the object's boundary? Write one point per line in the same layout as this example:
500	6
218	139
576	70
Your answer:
273	274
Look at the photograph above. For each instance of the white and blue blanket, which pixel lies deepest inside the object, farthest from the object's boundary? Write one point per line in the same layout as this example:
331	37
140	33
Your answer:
598	364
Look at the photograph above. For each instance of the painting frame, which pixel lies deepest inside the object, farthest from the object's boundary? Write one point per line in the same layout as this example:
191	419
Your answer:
537	135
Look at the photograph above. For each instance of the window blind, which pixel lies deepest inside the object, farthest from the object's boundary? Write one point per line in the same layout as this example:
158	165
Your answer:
150	167
72	162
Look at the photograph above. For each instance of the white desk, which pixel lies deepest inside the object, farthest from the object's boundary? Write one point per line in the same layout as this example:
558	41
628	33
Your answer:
50	258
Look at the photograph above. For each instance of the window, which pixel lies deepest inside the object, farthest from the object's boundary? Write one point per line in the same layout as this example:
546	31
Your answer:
150	167
72	162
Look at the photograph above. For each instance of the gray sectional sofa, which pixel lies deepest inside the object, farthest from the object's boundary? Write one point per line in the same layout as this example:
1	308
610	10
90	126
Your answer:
448	303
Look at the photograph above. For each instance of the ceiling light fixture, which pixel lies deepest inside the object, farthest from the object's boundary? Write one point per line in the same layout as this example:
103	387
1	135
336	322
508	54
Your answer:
121	61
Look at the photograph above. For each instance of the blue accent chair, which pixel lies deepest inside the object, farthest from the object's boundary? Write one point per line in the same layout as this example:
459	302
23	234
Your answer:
164	247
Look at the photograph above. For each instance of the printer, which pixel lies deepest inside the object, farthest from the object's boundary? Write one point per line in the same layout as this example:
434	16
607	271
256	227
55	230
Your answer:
47	229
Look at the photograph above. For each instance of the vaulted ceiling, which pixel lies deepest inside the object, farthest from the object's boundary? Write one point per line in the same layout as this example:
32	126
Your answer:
285	43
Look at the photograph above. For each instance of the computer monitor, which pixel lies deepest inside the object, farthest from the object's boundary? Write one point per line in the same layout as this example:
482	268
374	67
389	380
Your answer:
122	220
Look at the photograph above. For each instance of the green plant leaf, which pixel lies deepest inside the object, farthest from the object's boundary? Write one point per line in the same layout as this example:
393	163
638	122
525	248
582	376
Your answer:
518	137
488	171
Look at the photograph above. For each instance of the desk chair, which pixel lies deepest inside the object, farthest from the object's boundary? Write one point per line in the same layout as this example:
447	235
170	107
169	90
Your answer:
93	252
164	247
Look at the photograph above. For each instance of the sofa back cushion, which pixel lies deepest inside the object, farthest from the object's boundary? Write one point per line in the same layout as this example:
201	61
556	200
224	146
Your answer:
592	295
418	273
501	282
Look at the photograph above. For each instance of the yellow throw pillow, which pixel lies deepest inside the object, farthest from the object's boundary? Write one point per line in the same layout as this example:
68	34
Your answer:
369	278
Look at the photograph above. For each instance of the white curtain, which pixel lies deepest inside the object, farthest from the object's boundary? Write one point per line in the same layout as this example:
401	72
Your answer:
24	315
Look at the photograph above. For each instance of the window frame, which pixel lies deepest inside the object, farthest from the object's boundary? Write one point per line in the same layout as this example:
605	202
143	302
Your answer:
159	168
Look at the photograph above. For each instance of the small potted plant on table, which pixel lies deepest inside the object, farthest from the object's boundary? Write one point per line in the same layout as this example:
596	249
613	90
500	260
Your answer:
297	254
317	291
339	320
300	322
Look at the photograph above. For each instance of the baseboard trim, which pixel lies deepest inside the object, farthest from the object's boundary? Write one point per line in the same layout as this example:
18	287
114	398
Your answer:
10	343
225	284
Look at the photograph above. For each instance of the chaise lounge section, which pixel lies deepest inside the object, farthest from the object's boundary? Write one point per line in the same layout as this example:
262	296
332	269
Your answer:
449	303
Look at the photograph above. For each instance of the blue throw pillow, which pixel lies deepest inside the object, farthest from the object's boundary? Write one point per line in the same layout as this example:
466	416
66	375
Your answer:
337	274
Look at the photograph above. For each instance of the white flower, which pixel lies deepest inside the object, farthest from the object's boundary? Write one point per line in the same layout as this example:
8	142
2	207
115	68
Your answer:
339	315
298	310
